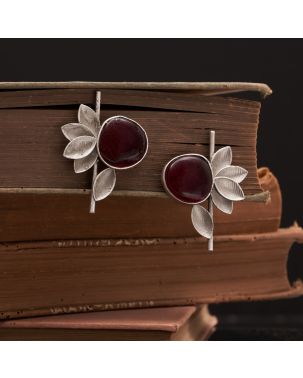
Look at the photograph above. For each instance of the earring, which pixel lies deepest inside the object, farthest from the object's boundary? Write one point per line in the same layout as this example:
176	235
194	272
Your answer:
192	179
120	143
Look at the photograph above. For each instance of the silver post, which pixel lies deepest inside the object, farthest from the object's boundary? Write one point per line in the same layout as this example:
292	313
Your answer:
210	202
92	206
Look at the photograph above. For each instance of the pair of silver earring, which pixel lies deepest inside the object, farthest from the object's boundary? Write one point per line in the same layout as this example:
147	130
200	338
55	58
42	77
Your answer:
121	143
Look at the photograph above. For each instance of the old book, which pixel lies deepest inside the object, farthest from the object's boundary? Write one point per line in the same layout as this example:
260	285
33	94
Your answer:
167	323
53	277
176	116
54	216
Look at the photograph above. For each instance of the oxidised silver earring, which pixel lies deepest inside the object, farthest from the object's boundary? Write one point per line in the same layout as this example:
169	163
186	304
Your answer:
192	179
120	143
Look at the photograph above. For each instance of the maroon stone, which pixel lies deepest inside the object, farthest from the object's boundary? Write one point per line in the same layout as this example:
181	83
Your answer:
122	143
189	178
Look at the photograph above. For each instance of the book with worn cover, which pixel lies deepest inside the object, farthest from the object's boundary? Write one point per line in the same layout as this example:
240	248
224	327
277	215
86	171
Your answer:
55	216
187	323
176	116
53	277
36	179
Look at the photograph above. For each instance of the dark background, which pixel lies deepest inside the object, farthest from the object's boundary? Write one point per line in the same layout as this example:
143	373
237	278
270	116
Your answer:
276	62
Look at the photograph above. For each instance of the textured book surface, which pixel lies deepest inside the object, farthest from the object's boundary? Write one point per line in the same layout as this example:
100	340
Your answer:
170	323
39	278
177	122
45	216
204	87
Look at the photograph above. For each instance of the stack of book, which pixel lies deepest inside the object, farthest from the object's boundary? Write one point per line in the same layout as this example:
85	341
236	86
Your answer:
136	269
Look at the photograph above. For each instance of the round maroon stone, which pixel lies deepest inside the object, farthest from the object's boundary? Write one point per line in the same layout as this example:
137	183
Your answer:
189	178
122	142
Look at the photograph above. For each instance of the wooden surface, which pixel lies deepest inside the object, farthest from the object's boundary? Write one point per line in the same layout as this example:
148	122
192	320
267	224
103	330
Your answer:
31	142
40	278
47	216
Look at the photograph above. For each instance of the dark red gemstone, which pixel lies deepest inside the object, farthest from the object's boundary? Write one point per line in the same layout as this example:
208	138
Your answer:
189	178
122	143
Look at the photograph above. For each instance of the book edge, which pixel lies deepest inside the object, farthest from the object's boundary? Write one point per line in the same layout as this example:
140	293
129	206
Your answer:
214	87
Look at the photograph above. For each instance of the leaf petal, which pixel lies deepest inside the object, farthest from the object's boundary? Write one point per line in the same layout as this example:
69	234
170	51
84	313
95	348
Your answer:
234	172
88	117
221	159
84	164
74	130
221	202
79	147
229	189
202	221
104	184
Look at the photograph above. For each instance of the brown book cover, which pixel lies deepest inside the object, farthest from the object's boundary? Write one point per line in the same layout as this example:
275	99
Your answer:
53	277
169	323
176	116
55	216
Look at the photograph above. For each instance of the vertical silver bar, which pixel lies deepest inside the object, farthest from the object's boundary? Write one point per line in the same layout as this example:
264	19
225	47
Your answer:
210	202
92	207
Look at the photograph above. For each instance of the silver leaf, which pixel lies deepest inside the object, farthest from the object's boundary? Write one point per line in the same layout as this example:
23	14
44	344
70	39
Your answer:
221	202
79	147
84	164
104	184
88	117
229	189
234	172
202	221
74	130
221	159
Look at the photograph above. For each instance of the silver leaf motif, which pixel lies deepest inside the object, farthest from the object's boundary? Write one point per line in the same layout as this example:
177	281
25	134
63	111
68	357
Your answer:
79	147
88	117
74	130
202	221
104	184
233	172
84	164
229	189
221	159
221	202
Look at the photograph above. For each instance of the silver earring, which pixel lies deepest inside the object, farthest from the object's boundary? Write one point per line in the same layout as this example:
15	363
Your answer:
193	179
119	142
